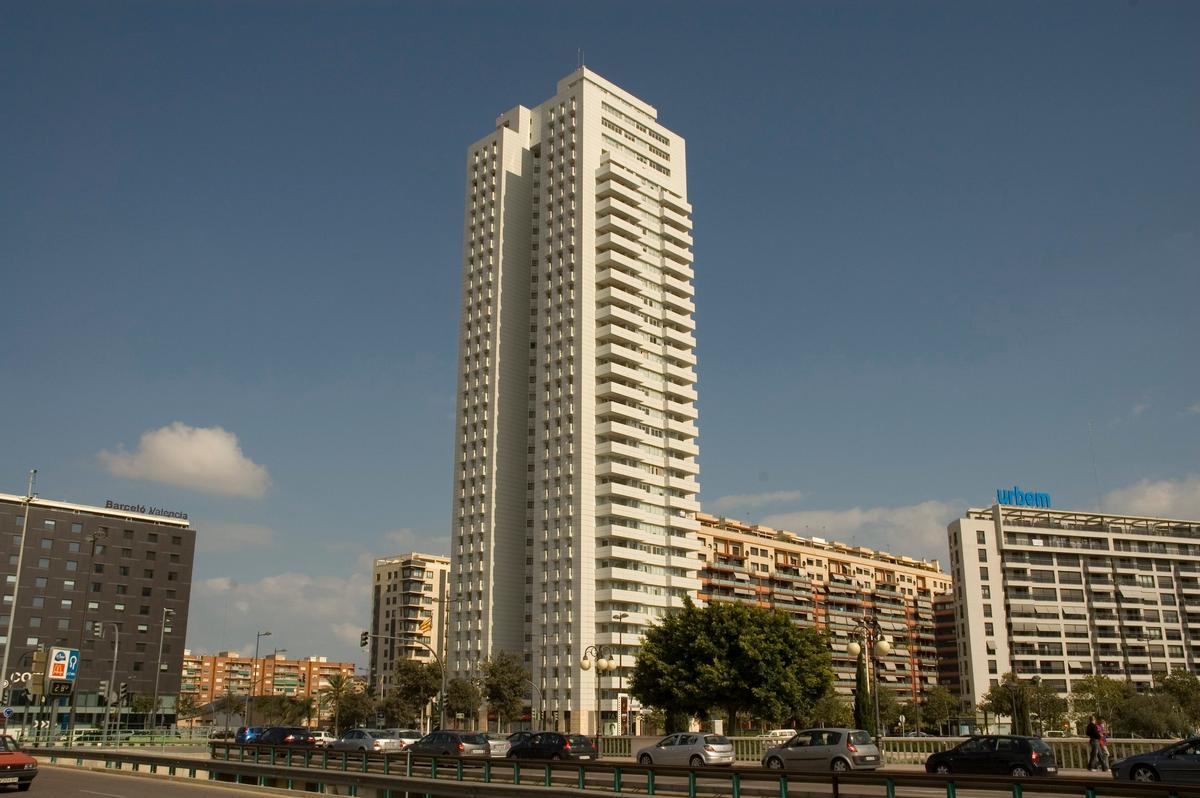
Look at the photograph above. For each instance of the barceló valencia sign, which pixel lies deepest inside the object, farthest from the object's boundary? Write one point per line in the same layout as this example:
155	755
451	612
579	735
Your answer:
1022	498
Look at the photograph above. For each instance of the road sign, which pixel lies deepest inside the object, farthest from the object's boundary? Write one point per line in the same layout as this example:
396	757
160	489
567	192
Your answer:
63	663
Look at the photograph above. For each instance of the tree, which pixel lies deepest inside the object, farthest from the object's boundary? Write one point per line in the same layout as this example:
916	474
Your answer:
1149	715
334	695
415	683
734	657
463	696
505	683
1048	705
283	710
937	707
185	706
357	709
1184	687
889	710
1098	695
864	711
830	710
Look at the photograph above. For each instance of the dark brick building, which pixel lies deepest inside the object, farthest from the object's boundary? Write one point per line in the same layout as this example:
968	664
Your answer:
85	566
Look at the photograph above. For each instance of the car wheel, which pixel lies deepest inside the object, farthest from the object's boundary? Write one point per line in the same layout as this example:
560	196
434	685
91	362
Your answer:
1143	773
839	766
943	769
645	759
696	761
1019	772
775	763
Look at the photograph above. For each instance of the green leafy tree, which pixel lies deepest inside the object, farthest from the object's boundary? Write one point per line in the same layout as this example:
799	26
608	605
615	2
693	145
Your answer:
1011	697
938	706
1149	715
734	657
864	710
463	696
889	710
830	710
414	684
1184	687
357	709
185	706
333	696
1047	705
505	683
1098	695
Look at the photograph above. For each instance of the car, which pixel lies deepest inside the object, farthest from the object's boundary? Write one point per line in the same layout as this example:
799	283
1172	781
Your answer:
222	734
451	742
691	749
322	738
778	734
825	749
364	740
554	745
499	744
247	734
1177	762
406	736
918	734
996	754
286	735
16	767
520	736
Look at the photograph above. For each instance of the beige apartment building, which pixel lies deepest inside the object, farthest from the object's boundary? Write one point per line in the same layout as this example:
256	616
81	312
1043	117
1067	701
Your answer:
408	613
207	678
575	472
1064	594
831	586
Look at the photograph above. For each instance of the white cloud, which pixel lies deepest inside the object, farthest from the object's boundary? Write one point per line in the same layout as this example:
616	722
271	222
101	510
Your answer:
227	536
307	615
1165	498
918	530
1139	408
207	459
1194	408
749	500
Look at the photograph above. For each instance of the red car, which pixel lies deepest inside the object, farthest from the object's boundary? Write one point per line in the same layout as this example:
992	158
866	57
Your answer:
16	767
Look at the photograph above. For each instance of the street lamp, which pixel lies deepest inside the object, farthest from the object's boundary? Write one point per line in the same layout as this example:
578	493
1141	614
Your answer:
1036	681
250	698
98	630
91	538
162	632
12	616
603	664
1012	688
871	634
620	617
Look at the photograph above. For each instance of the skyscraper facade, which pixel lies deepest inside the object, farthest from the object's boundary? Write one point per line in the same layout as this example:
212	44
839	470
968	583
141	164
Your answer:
574	511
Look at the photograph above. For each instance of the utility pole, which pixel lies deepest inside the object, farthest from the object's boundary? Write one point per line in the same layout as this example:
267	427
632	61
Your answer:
12	618
162	631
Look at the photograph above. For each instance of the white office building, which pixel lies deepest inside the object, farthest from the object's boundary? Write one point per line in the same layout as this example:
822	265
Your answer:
575	474
1064	594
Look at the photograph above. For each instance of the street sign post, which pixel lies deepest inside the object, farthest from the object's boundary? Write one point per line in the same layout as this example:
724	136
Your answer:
63	663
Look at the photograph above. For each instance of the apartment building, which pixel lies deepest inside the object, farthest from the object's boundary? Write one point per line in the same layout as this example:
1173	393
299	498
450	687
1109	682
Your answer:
1065	594
206	678
122	565
946	640
408	614
575	473
831	586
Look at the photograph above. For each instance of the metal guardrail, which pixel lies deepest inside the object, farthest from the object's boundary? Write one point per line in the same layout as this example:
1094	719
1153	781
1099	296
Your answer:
393	775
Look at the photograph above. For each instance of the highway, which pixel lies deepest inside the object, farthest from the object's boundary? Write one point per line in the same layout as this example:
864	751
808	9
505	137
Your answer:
60	782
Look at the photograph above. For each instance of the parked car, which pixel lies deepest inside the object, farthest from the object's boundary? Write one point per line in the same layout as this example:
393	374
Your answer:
996	754
286	735
554	745
406	736
688	749
452	743
499	744
322	738
16	766
1177	762
364	740
778	734
825	749
247	734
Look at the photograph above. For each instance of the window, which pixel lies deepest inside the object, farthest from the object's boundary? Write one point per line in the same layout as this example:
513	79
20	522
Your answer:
98	568
123	570
985	591
68	584
76	528
176	540
93	605
128	553
97	587
72	565
38	602
983	572
35	622
39	581
143	628
47	543
143	610
146	592
148	573
150	555
118	608
66	604
127	534
122	590
983	555
73	546
49	523
43	562
64	623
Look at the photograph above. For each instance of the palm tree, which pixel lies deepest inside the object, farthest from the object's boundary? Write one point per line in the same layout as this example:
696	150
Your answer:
340	686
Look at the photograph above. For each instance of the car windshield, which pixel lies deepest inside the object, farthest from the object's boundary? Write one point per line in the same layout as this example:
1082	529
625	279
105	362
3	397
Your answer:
860	738
578	739
474	739
8	744
716	739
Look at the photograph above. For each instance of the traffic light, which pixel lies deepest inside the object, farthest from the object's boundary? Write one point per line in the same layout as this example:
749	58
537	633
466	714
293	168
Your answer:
364	639
102	691
123	694
37	673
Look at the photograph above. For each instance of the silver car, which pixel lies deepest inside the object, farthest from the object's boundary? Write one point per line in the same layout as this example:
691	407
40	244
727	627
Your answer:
406	736
366	740
688	749
499	744
825	749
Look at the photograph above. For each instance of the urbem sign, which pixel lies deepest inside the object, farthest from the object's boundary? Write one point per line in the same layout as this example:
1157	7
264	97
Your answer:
1022	498
109	504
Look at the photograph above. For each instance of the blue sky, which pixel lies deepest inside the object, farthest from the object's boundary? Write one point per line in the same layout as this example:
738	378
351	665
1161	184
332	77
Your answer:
935	242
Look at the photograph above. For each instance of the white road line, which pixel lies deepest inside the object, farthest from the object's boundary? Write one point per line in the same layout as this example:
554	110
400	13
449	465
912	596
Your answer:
106	794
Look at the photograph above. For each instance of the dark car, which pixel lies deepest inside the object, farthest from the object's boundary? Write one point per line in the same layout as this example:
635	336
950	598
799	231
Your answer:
286	735
451	743
997	755
247	734
1177	762
554	745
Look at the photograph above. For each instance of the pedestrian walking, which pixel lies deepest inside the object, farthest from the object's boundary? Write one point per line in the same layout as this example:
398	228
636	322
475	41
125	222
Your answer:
1102	728
1093	735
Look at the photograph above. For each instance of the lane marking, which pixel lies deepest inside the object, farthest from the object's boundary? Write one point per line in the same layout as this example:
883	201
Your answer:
106	794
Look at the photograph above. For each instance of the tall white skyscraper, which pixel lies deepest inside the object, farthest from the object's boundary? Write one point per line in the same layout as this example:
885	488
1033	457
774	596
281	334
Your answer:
574	513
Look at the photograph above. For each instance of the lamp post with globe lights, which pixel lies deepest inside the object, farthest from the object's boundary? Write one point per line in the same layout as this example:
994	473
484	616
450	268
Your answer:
869	636
603	664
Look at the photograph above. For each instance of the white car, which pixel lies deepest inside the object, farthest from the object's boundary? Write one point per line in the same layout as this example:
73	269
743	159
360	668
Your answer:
778	734
406	736
322	738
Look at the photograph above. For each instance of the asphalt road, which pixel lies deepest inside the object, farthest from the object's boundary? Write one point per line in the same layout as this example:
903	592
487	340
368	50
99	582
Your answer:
54	782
